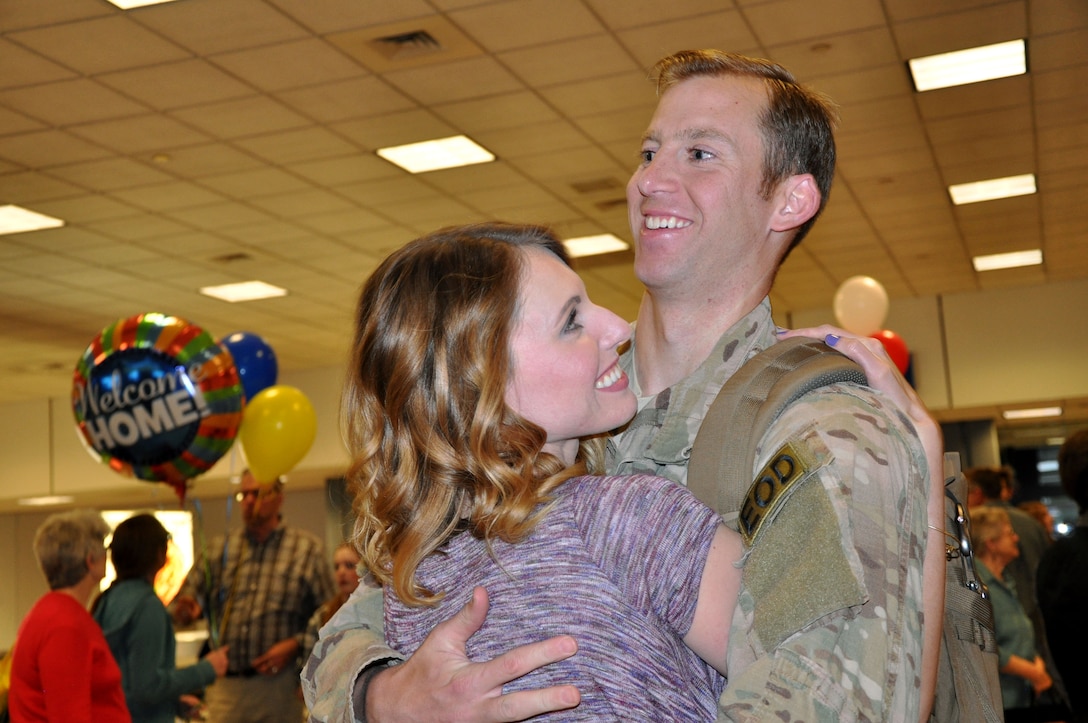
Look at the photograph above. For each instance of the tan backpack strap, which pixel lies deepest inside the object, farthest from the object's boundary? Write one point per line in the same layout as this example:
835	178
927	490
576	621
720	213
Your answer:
720	469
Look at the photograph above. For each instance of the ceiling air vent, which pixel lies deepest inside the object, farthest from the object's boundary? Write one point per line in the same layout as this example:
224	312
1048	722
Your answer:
232	257
406	45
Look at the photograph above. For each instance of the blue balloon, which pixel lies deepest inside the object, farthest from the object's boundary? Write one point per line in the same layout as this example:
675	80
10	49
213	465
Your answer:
254	359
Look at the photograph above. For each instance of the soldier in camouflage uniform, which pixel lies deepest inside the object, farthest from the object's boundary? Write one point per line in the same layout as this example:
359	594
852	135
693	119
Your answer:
829	623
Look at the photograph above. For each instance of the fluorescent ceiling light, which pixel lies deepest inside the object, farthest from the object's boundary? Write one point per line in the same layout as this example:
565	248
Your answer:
592	245
992	189
1011	260
46	501
973	65
15	219
1047	465
244	291
435	155
1032	413
129	4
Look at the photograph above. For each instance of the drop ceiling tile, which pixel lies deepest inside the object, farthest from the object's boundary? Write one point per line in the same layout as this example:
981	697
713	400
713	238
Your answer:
326	17
354	98
217	215
583	58
474	178
496	201
42	149
340	223
300	249
176	85
100	45
993	23
167	196
398	188
208	160
142	134
579	164
976	98
867	84
305	203
845	53
511	110
782	22
646	12
425	218
297	145
112	254
451	82
1056	16
879	113
998	123
23	67
627	125
43	265
12	122
26	188
1064	111
293	64
144	229
87	207
720	29
532	139
248	116
1017	149
60	240
110	174
601	95
344	169
207	27
1056	51
394	129
857	146
69	102
501	26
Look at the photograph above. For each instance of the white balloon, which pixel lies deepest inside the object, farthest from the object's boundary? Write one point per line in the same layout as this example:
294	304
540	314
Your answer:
861	305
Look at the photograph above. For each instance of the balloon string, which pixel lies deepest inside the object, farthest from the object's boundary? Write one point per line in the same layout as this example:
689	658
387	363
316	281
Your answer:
213	628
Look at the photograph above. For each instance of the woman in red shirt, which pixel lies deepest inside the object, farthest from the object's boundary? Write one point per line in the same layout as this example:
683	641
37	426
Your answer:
62	669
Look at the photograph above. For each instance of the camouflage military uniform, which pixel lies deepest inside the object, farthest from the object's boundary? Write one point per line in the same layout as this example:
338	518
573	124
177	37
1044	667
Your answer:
836	578
829	622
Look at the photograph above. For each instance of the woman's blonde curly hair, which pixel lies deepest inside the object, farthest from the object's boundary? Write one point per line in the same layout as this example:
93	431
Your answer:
435	449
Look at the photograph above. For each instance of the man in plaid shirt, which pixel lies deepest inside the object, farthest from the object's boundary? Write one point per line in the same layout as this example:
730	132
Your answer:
259	586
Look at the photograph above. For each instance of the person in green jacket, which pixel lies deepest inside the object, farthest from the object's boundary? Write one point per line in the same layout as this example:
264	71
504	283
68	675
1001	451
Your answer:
140	632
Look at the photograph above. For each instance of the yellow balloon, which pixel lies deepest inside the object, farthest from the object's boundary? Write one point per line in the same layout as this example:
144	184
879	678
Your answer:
278	427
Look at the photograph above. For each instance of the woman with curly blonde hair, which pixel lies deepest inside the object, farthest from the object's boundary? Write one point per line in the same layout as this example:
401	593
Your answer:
478	368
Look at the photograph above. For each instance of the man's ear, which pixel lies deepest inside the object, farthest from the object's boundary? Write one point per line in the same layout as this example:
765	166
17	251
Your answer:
798	201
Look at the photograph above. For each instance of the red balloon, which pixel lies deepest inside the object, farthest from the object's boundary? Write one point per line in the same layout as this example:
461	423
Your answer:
896	348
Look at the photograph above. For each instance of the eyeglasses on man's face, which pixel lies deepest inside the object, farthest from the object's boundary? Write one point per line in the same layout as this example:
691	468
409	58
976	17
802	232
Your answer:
256	494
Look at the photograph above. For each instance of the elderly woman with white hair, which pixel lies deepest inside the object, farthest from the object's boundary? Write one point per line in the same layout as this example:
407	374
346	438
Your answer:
1023	672
62	669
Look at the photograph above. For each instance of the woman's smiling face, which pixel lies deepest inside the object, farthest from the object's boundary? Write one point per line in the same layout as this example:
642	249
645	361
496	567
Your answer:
566	377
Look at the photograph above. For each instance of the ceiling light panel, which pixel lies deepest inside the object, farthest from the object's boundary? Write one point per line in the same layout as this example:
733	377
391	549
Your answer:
594	245
244	291
1012	260
972	65
129	4
16	219
993	189
1037	413
437	154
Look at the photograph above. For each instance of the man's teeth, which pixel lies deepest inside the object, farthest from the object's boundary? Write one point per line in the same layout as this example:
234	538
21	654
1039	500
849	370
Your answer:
656	222
611	378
